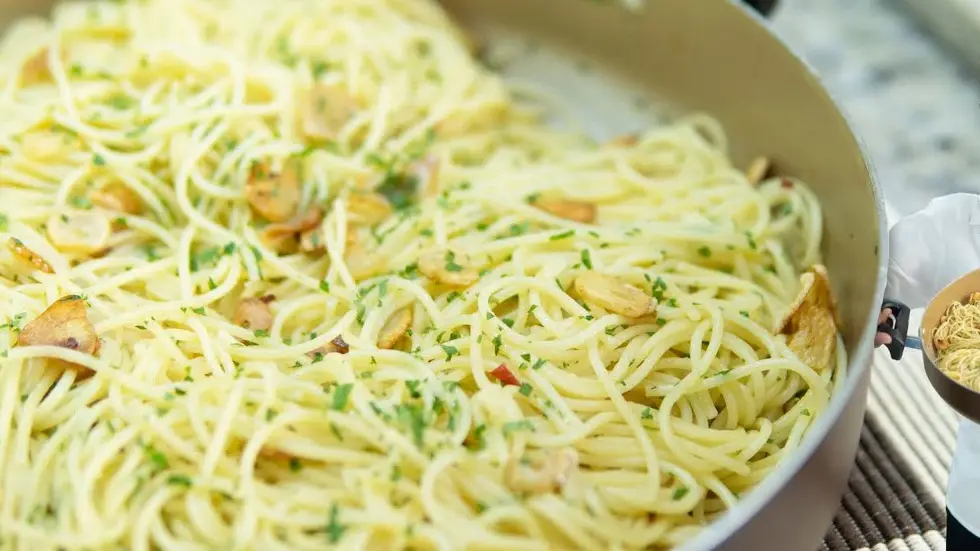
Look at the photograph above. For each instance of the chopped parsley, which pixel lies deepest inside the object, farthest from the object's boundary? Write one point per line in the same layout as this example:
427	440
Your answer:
525	389
647	414
335	530
704	251
450	351
562	235
98	160
157	457
295	464
412	416
680	492
179	480
325	286
587	258
340	396
451	265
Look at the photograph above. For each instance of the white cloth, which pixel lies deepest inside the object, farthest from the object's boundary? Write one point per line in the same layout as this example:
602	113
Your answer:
929	250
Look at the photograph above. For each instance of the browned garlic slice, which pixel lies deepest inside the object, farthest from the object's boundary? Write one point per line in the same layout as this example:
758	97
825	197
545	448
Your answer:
254	314
274	196
324	110
448	267
117	197
21	251
395	328
577	211
64	324
811	322
614	295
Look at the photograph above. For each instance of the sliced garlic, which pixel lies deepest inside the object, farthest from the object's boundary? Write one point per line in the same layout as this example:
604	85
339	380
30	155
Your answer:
36	69
281	234
577	211
324	111
117	197
336	346
79	232
368	208
274	196
44	145
21	251
448	267
758	170
545	471
614	295
64	324
395	328
254	314
811	323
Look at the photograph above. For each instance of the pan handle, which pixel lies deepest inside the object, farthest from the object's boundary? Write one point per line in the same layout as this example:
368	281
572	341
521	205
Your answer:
764	7
897	327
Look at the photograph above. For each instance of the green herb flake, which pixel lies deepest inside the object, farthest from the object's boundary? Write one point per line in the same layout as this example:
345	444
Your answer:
157	457
680	492
340	396
587	258
180	480
451	265
450	351
704	251
335	530
98	160
525	389
562	235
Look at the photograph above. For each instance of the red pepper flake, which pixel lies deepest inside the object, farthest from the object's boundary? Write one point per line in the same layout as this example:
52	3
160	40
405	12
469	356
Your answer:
786	184
505	375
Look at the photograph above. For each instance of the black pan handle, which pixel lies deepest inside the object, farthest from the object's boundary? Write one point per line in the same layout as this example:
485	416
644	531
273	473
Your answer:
764	7
896	326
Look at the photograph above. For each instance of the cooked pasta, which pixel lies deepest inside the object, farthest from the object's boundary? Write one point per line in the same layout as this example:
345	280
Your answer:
305	274
957	342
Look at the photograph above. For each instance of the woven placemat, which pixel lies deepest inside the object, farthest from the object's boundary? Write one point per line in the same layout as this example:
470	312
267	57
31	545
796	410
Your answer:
896	498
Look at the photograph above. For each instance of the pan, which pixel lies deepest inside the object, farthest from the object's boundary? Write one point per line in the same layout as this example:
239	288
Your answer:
962	399
718	56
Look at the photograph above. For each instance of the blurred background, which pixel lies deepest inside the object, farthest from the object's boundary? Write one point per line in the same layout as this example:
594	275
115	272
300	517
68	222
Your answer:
906	74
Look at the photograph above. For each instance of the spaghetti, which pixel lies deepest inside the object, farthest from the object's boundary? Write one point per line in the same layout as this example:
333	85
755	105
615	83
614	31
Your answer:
957	342
302	275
